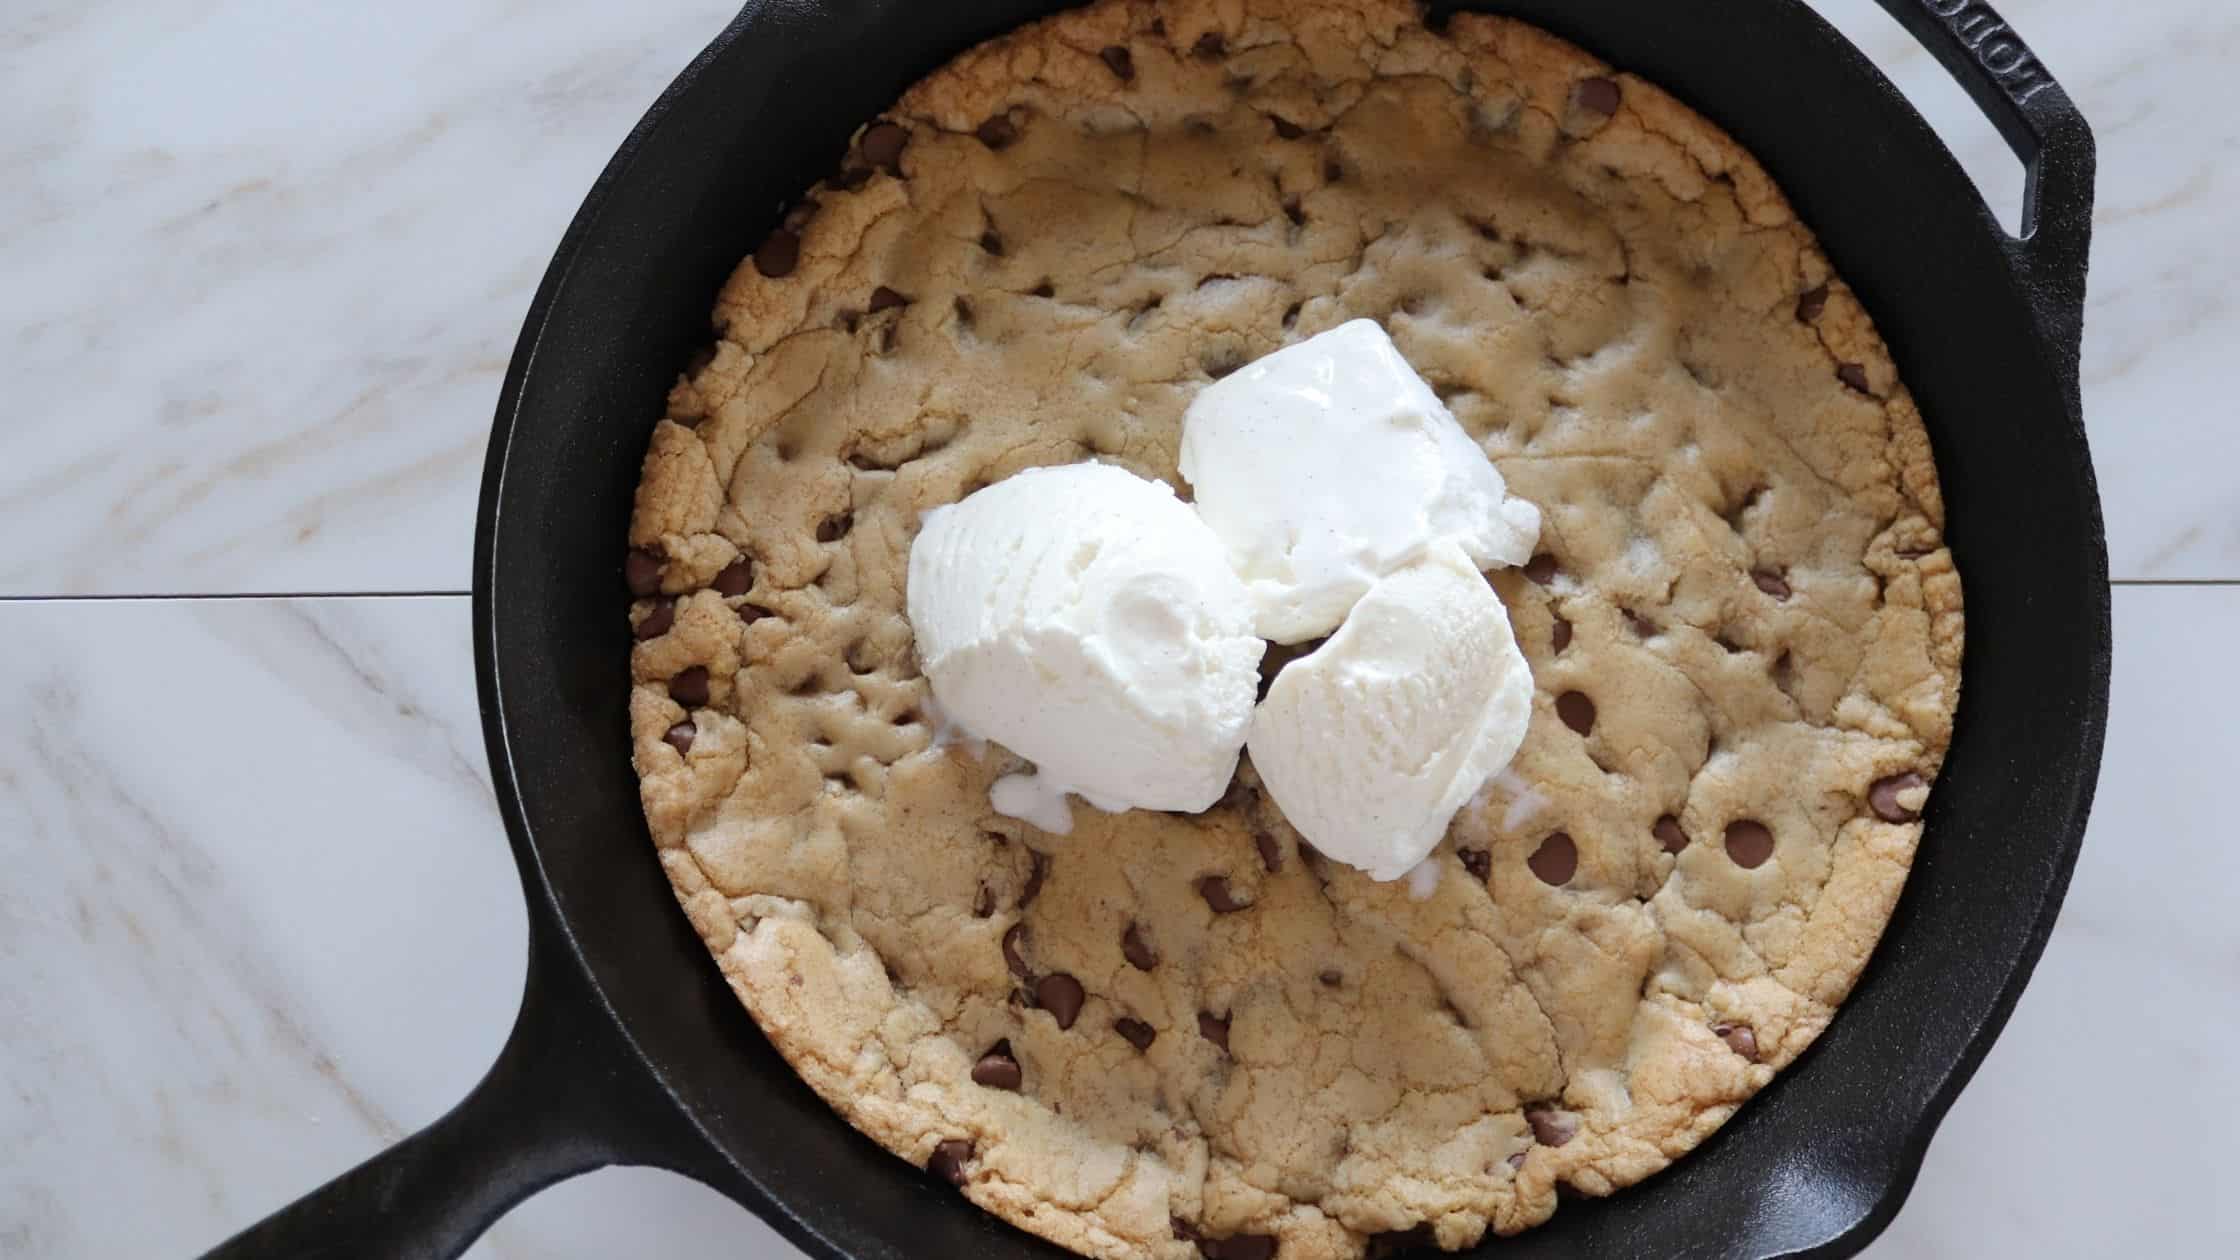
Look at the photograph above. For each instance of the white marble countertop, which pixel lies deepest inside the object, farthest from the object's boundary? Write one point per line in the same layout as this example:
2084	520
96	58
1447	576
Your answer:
261	265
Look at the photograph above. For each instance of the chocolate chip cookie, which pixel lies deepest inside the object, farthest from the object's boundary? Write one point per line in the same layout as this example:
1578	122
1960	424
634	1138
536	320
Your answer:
1170	1035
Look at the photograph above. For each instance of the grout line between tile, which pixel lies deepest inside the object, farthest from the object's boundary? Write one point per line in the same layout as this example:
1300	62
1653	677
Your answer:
229	595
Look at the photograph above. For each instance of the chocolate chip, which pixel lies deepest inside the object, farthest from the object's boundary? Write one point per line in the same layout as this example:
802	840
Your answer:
1541	568
661	615
1559	636
1749	843
1476	861
1810	303
1043	290
1121	62
1551	1127
1853	375
1668	833
1214	1028
1271	853
778	255
998	132
884	299
680	737
1061	995
736	577
1331	979
1285	128
1576	709
1137	950
998	1068
1598	95
1183	1229
1770	582
690	688
882	146
1556	860
1215	889
1135	1032
1393	1242
992	241
1014	942
1210	45
1037	867
641	571
984	902
1739	1039
752	613
1238	1247
949	1159
835	528
1882	797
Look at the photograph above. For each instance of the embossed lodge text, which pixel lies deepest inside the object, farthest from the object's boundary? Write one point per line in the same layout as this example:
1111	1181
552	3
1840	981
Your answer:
1995	45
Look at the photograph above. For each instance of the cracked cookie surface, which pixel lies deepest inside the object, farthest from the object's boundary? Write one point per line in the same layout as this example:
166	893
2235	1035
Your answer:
1170	1036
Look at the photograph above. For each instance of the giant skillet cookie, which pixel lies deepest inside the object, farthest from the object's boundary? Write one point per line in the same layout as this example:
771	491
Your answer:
1164	1035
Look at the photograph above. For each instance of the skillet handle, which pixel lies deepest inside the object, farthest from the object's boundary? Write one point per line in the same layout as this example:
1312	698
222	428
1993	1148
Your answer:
565	1096
2041	124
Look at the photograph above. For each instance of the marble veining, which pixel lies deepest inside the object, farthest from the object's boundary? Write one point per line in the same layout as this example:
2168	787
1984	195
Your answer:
265	264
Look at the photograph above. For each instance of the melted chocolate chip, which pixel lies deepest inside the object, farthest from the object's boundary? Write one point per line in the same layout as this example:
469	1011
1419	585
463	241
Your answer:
1037	867
1598	96
680	737
641	571
1740	1039
1210	45
659	617
1214	1028
1853	375
1476	861
1556	860
1882	797
1120	61
1215	890
778	255
1541	568
992	241
1749	843
1559	635
834	528
690	688
998	1068
1576	709
736	577
984	902
1136	950
1062	996
1014	956
1331	979
1810	303
1551	1127
1770	582
1135	1032
998	132
886	299
1668	833
1285	128
948	1160
883	144
1238	1247
1271	853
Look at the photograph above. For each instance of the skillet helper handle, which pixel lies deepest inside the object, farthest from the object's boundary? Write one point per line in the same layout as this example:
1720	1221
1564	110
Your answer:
564	1097
2045	130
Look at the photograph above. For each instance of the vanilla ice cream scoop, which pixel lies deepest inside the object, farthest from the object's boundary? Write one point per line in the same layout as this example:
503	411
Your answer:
1329	464
1084	618
1370	743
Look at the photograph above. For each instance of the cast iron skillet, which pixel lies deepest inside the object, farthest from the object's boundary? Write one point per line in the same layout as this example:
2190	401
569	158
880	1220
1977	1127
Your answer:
629	1048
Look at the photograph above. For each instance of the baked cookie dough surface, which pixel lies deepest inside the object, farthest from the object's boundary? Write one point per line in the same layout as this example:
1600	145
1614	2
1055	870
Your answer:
1165	1035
